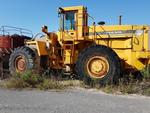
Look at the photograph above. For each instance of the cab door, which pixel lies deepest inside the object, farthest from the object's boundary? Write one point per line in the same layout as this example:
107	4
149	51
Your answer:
70	25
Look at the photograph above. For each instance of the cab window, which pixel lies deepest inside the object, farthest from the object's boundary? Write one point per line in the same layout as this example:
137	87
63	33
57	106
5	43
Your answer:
69	21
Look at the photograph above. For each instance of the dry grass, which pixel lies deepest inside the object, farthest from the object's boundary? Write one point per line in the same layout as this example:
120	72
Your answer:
32	80
131	87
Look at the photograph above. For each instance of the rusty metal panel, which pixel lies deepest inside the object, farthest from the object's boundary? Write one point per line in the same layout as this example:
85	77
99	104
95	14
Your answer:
8	43
5	42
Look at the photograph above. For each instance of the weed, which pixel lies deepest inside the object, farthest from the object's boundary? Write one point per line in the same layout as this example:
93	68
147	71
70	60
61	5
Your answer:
146	72
30	79
50	84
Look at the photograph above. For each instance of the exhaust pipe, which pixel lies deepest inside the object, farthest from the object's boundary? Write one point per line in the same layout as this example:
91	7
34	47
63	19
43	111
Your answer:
120	20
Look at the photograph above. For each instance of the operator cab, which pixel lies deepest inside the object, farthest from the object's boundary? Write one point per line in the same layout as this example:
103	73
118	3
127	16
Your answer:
73	23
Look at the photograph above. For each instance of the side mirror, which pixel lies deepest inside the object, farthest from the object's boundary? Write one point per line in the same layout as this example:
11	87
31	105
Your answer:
60	10
101	23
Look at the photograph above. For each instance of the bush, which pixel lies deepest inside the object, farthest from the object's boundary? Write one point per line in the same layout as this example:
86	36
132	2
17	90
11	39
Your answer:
27	79
30	79
146	72
16	83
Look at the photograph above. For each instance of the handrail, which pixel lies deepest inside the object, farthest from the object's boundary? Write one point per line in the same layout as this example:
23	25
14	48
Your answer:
9	30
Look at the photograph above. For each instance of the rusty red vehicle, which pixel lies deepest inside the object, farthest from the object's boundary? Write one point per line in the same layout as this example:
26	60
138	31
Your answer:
11	38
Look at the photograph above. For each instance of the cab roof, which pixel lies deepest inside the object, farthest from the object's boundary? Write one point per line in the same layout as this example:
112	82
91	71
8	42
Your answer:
73	8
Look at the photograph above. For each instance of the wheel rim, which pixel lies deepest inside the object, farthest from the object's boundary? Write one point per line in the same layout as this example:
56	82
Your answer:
97	67
20	64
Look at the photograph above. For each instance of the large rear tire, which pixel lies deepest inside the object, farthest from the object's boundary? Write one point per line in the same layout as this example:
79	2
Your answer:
21	60
98	64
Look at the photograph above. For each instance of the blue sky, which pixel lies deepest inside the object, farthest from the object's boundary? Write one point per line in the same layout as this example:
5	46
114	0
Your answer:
32	14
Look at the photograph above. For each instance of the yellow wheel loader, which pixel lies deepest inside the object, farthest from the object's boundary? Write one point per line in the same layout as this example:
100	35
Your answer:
93	53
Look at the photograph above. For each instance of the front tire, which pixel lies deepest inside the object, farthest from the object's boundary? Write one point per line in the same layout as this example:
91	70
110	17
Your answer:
21	60
98	63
